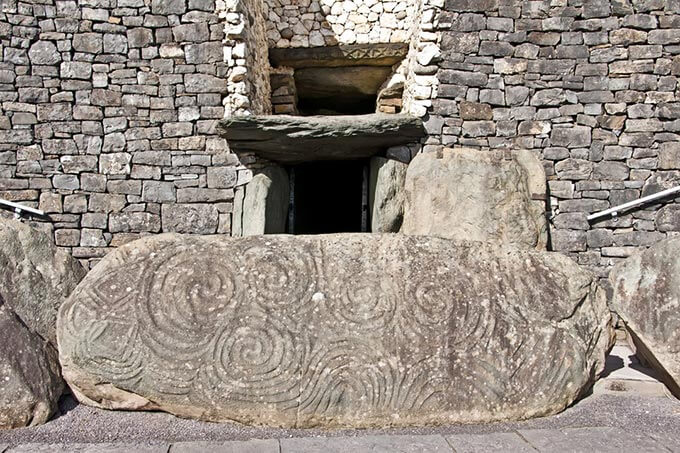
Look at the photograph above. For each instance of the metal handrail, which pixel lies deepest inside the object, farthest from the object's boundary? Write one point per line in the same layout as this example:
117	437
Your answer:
632	204
19	208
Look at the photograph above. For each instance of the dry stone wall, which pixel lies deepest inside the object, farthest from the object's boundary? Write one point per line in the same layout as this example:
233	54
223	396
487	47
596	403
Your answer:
591	86
108	107
107	118
312	23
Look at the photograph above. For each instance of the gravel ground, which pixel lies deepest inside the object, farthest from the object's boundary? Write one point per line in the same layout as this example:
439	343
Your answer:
82	424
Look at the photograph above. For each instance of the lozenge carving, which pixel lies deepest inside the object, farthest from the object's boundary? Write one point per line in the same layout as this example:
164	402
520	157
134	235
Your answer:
338	330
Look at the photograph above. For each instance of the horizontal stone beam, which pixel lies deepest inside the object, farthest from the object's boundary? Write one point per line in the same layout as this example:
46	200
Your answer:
349	55
295	139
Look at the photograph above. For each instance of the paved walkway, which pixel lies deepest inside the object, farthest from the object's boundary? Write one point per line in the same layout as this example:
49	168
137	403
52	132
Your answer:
586	440
629	410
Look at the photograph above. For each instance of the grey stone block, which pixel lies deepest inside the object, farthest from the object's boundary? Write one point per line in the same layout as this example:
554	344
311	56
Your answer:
189	218
377	444
89	448
487	443
603	440
158	191
134	222
250	446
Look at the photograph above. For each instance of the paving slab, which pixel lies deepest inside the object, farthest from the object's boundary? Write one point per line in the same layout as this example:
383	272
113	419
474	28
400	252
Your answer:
247	446
90	448
589	440
668	440
489	443
373	444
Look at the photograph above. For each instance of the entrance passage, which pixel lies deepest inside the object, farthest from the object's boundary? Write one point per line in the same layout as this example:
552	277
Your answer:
328	197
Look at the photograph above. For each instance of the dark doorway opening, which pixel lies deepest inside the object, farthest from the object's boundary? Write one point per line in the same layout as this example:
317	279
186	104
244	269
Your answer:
328	197
351	90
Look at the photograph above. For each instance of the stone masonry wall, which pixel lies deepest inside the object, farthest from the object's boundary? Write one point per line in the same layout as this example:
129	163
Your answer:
246	54
107	118
108	107
589	85
311	23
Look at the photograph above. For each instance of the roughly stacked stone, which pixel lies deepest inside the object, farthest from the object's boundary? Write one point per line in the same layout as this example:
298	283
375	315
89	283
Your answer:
592	86
311	23
647	298
107	111
334	330
107	119
245	53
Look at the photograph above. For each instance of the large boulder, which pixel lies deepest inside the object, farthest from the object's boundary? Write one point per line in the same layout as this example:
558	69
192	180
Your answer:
352	330
30	380
647	298
35	276
468	194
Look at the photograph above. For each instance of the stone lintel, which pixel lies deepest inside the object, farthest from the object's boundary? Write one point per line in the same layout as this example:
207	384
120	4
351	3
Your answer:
295	139
334	56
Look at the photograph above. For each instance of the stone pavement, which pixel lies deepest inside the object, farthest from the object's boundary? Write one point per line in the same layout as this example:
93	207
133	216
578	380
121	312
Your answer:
542	440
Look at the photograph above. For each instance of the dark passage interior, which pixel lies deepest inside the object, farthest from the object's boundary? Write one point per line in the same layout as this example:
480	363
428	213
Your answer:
339	90
327	197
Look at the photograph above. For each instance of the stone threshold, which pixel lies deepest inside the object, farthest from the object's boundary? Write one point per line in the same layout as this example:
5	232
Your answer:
295	139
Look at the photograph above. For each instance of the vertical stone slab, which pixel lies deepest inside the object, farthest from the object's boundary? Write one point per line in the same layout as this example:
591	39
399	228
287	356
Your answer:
469	194
264	207
386	194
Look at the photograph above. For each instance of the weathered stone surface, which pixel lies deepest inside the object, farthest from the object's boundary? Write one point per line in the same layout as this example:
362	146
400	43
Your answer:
36	277
194	218
294	139
345	55
30	380
333	330
263	205
647	298
477	195
386	196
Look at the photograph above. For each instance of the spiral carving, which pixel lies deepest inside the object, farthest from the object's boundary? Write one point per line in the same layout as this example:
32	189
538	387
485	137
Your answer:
338	331
281	281
256	358
189	295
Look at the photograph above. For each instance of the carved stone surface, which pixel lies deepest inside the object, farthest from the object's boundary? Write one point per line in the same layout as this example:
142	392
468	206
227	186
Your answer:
386	199
468	194
295	139
35	276
335	56
647	298
30	381
333	330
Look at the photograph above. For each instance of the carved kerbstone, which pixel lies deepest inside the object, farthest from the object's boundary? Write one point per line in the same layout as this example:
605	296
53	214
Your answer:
338	330
647	298
295	139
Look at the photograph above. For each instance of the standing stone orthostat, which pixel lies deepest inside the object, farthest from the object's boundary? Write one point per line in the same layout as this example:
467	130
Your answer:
333	330
30	381
468	194
36	277
647	298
